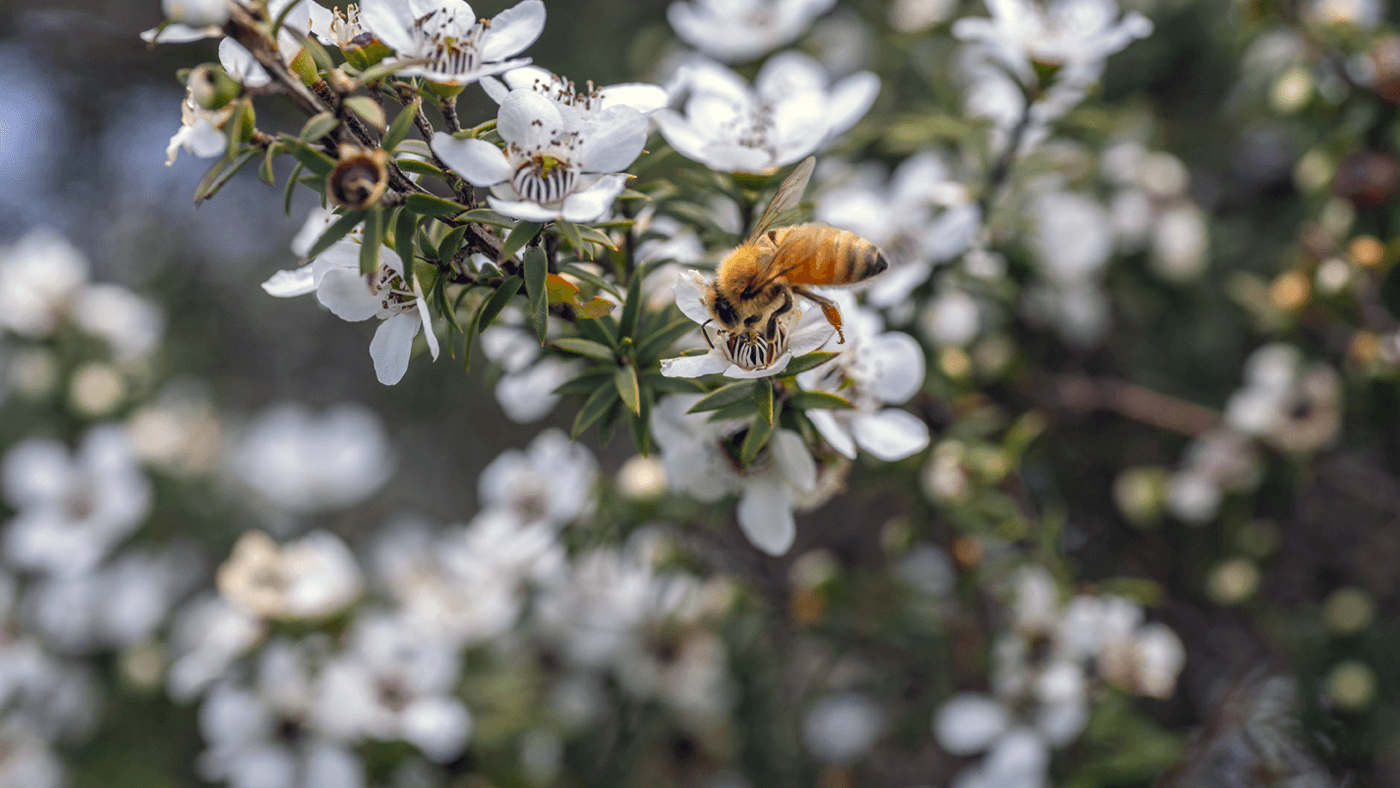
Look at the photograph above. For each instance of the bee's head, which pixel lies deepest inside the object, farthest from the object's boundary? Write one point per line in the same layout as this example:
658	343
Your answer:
723	311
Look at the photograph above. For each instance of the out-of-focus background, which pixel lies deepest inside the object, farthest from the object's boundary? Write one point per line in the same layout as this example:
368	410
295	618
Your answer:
1103	570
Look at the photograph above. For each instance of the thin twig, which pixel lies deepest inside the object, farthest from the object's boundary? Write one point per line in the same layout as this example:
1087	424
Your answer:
1082	393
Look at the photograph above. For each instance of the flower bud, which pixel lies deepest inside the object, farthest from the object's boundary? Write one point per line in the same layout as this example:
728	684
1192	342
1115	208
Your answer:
304	66
359	179
211	87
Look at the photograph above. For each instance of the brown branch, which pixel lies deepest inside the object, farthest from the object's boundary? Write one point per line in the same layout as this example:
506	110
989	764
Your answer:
1082	393
243	27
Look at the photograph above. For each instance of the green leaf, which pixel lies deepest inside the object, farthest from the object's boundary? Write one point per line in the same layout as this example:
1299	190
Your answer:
757	438
584	347
591	278
399	128
631	307
241	124
596	236
600	331
674	385
763	398
420	168
724	395
291	184
585	383
312	159
318	126
451	243
384	68
596	405
571	232
810	361
369	111
265	171
523	233
657	342
632	194
216	182
373	237
432	205
641	436
498	300
405	228
487	216
629	389
818	400
743	409
536	267
335	232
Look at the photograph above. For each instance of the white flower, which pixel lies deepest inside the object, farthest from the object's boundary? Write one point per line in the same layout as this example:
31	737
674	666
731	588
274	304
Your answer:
304	463
394	684
121	603
72	510
340	28
265	736
1137	657
201	131
1077	35
605	594
734	359
643	97
40	276
526	390
919	217
313	577
840	728
207	636
132	325
461	48
1292	406
552	482
557	163
739	30
789	112
784	474
875	368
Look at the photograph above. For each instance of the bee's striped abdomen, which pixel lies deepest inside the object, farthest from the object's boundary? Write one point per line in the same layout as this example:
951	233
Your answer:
826	256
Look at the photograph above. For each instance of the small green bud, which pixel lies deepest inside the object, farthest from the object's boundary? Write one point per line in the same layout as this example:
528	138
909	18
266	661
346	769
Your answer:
211	87
304	66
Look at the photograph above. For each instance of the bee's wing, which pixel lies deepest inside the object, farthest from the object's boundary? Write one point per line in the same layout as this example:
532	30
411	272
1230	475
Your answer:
787	198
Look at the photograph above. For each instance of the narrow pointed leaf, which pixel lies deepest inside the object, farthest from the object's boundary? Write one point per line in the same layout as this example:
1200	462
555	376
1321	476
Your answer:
724	395
405	228
498	300
399	128
369	111
335	232
585	383
523	233
593	409
373	237
815	400
641	435
658	341
810	361
451	243
291	184
313	159
318	126
629	389
571	233
754	442
631	308
417	167
584	347
432	205
591	278
536	267
596	236
763	398
487	216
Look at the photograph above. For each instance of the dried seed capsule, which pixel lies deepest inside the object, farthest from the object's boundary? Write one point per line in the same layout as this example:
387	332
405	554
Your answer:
359	179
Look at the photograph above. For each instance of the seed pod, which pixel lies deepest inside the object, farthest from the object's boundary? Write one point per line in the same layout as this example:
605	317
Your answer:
211	87
359	179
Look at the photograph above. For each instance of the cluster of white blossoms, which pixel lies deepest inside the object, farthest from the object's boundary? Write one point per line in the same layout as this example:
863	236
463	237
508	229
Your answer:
1042	666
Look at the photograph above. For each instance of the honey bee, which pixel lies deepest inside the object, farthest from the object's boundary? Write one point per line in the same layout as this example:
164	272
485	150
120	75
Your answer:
751	296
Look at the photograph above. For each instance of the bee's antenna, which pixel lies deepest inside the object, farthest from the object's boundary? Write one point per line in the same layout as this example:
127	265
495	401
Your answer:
706	334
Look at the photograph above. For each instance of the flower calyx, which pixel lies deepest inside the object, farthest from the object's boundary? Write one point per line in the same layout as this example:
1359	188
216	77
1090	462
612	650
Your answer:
359	179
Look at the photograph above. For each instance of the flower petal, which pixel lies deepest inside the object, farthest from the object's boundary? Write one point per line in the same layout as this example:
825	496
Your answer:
495	88
765	516
641	96
345	293
690	289
593	202
968	723
612	139
390	21
478	161
762	372
392	346
849	101
836	435
899	361
521	209
528	120
694	366
794	459
892	434
286	284
426	318
513	29
241	65
810	338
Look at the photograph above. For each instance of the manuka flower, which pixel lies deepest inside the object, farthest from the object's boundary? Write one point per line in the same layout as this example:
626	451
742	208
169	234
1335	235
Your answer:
643	97
461	49
335	278
739	30
691	290
789	112
557	164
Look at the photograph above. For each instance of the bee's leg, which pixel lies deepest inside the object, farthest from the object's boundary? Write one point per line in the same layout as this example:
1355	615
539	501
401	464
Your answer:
772	329
829	310
706	334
